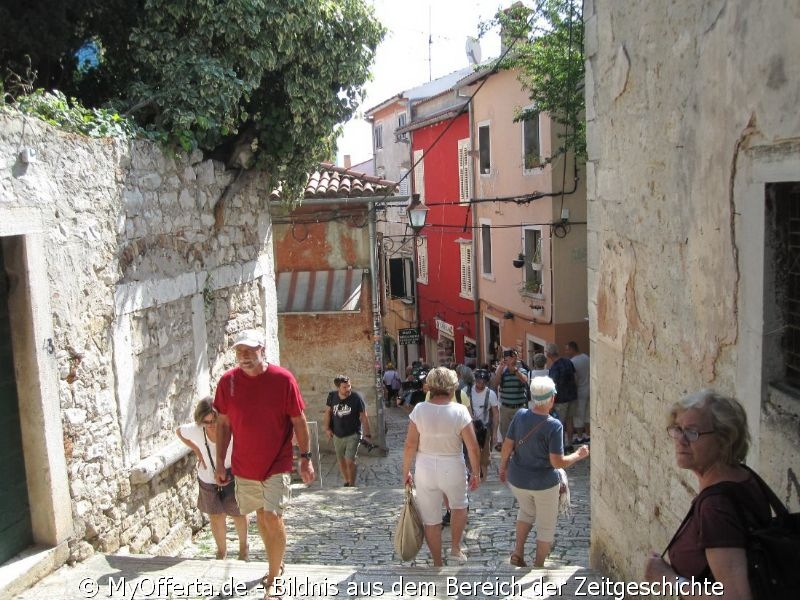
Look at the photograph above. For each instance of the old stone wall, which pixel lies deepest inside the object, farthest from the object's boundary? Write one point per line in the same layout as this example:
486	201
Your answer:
144	288
691	108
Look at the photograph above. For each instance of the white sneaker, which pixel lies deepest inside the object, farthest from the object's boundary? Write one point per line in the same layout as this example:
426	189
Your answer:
460	558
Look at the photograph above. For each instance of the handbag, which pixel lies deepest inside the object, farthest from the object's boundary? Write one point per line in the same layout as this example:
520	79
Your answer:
409	533
229	489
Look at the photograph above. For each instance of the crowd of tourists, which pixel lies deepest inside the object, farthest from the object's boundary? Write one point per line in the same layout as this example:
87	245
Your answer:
536	418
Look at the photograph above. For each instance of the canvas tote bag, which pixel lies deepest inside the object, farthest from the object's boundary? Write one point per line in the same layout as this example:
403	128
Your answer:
409	533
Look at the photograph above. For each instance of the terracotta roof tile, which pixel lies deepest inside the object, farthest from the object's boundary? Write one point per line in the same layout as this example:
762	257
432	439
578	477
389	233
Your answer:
331	181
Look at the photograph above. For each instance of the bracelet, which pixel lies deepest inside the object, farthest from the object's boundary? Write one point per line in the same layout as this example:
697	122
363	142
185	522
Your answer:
306	455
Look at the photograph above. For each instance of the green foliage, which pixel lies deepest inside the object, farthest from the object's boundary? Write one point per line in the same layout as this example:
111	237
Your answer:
256	83
71	115
548	53
271	78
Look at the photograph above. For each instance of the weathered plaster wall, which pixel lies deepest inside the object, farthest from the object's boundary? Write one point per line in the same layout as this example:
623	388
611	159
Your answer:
680	97
135	303
317	347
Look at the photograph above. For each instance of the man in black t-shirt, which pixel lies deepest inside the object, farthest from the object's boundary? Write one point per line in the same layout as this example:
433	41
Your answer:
345	420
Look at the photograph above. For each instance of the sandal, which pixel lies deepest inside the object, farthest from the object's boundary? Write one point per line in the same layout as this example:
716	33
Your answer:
517	560
266	578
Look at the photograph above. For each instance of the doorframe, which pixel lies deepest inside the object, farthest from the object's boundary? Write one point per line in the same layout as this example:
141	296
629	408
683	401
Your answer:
32	340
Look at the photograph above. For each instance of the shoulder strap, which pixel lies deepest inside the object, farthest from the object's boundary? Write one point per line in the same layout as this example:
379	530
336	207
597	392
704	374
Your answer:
779	507
208	450
534	428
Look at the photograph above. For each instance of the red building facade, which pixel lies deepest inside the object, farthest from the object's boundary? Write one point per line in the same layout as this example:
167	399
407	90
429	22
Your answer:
445	299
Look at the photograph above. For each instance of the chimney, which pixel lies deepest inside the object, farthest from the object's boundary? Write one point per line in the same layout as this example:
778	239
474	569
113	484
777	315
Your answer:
518	14
347	161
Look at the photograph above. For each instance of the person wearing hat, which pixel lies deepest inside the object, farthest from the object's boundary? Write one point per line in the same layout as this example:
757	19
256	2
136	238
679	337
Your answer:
485	415
511	379
259	403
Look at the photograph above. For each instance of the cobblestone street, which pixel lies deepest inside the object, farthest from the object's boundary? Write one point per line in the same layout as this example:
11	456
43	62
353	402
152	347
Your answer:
338	525
340	545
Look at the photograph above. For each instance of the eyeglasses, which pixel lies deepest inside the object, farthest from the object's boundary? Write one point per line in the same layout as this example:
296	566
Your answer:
690	435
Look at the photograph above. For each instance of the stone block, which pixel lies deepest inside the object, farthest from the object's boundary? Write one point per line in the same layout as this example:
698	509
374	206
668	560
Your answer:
160	527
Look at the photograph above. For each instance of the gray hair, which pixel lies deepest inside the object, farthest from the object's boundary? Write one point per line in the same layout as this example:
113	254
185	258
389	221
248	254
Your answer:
442	380
728	419
539	360
551	349
466	374
543	389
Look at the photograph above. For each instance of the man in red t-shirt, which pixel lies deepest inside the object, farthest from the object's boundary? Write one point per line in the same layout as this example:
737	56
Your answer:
260	404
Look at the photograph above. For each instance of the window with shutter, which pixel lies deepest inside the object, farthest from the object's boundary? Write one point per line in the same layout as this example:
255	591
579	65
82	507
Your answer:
404	182
419	175
466	269
464	171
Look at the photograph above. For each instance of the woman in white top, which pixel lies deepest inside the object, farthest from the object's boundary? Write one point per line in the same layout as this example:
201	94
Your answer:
216	502
436	430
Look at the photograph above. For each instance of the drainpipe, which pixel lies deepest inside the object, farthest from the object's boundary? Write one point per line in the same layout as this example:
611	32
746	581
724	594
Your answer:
377	331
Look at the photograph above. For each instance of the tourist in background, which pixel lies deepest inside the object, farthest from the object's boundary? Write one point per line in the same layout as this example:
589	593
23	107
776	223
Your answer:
511	379
581	419
346	420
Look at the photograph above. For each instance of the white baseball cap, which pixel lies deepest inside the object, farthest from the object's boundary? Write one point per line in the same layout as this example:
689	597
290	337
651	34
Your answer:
250	338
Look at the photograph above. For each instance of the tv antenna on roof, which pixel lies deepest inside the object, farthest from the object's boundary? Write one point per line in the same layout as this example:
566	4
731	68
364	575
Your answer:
473	48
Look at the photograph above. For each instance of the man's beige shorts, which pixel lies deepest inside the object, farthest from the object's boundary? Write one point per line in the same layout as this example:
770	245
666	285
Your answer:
273	494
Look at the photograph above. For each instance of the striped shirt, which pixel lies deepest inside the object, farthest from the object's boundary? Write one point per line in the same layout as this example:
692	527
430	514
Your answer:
512	388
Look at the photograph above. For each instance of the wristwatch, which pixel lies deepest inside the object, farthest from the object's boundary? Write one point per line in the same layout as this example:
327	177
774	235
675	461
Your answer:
305	455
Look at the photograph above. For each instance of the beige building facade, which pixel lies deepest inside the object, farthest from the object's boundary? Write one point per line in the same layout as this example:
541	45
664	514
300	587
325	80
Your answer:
693	178
530	240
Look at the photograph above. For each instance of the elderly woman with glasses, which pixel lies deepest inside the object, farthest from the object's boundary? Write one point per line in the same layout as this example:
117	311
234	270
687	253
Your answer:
710	437
215	501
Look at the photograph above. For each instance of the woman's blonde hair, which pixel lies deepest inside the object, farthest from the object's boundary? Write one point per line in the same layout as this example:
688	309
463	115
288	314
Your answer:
728	420
441	380
203	409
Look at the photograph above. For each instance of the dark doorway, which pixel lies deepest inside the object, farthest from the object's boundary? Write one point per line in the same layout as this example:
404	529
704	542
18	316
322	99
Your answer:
15	516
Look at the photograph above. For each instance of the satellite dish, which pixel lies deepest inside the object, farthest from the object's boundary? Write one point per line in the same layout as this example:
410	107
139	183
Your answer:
473	48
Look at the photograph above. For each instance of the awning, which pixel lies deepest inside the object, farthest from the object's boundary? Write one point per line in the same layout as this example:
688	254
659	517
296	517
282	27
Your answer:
328	291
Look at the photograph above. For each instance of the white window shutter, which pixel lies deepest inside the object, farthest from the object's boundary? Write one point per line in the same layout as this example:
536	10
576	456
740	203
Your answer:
464	171
419	175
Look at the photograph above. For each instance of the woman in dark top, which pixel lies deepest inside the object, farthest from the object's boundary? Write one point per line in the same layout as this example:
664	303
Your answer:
710	436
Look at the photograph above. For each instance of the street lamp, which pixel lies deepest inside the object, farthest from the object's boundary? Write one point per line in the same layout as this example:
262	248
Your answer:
417	213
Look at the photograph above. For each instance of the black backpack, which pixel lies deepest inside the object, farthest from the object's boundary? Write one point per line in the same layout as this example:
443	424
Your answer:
773	550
